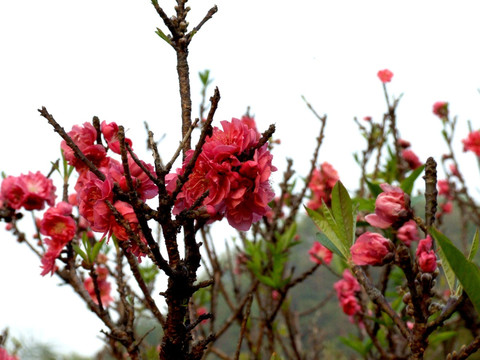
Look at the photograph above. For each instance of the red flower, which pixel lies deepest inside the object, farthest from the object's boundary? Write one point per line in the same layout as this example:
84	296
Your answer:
427	260
30	191
390	207
84	137
472	142
440	108
4	355
411	158
443	188
321	185
371	249
235	175
319	254
58	223
408	232
110	133
346	290
385	75
55	247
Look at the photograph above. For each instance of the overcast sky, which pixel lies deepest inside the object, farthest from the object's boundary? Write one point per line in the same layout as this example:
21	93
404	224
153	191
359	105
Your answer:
102	57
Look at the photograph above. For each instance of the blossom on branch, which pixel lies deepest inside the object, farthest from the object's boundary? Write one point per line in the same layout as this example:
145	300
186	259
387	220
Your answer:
320	254
234	171
440	108
426	258
29	191
104	286
391	207
472	142
408	232
110	134
371	249
411	158
347	288
322	183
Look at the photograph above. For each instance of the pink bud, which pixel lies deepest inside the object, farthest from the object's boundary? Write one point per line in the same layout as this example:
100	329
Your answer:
371	249
411	158
440	108
408	232
427	260
390	207
472	142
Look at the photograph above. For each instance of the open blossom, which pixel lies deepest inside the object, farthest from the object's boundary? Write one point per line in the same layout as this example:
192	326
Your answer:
408	232
30	191
411	158
321	185
371	249
104	286
233	171
347	288
385	75
54	249
426	258
440	108
84	137
58	224
391	207
319	254
443	188
110	134
472	142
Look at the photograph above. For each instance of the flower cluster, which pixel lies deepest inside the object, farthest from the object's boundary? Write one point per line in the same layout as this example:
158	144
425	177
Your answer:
232	172
104	286
391	208
60	228
347	289
29	191
319	254
321	185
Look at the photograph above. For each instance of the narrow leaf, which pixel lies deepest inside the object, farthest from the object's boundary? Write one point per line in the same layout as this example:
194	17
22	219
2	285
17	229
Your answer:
325	241
407	183
467	272
447	269
343	213
474	247
80	252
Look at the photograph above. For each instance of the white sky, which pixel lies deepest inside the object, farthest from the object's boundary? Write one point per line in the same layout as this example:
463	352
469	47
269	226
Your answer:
103	58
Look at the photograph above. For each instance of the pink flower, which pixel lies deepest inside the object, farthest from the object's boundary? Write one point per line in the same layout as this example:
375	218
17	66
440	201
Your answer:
408	232
58	223
443	188
104	287
321	185
385	75
347	288
110	133
371	249
411	158
367	118
30	191
472	142
4	355
391	207
275	295
319	254
447	207
427	260
440	108
55	247
84	137
233	171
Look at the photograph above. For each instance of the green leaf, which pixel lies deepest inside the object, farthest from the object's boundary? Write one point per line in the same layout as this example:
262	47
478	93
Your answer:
474	247
367	205
447	269
163	36
466	271
374	188
329	227
95	250
80	252
343	213
325	241
362	347
441	337
407	183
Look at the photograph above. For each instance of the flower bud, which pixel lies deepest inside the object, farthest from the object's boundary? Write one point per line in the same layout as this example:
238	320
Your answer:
391	207
371	249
